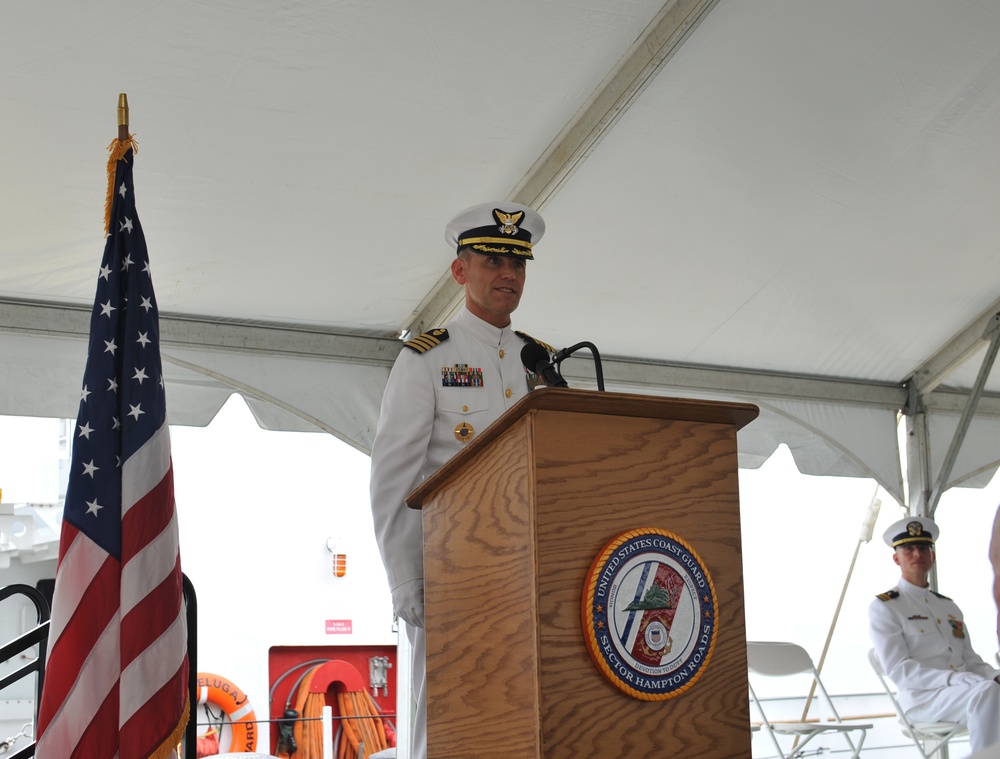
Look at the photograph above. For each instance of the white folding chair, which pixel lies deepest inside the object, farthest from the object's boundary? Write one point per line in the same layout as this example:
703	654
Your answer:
772	659
928	737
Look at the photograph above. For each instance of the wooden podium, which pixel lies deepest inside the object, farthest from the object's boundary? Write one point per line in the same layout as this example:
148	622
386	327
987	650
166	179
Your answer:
512	526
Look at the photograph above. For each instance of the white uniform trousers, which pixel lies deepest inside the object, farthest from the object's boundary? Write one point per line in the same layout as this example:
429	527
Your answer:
977	706
418	680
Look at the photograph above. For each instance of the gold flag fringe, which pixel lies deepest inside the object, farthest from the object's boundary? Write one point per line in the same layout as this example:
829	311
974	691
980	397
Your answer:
117	150
171	746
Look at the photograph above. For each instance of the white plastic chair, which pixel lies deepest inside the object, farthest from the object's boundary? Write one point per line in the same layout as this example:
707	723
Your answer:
928	737
773	659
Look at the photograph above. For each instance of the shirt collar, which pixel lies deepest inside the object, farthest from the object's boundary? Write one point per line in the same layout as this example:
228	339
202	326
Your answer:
482	330
905	586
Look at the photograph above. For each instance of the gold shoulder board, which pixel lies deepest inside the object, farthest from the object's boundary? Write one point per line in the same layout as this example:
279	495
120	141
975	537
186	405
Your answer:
529	339
426	341
888	595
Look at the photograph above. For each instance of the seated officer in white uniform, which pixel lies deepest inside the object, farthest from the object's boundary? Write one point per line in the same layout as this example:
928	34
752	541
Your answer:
924	646
995	562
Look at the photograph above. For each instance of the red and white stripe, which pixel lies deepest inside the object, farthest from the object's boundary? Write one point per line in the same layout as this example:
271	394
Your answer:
117	670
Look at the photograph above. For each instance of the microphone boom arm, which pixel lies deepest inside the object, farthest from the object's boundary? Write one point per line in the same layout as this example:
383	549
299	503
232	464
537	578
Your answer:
565	353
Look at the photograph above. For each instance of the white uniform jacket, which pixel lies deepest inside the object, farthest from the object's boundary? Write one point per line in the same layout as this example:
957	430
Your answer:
921	639
434	403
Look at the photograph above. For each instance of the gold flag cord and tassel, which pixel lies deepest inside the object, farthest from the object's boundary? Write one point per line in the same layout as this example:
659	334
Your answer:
117	150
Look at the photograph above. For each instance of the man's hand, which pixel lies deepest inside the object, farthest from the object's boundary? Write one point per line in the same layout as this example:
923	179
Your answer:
408	602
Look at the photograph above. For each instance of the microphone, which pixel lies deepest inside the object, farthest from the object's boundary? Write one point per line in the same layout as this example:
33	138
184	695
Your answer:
536	359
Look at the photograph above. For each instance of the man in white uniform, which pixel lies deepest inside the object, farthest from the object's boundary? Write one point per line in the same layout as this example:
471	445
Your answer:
924	646
995	562
994	751
446	387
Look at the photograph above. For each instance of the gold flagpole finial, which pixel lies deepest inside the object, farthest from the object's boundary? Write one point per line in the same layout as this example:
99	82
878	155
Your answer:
122	117
116	152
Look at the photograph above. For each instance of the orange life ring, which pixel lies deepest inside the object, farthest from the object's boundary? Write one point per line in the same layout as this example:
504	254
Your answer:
213	689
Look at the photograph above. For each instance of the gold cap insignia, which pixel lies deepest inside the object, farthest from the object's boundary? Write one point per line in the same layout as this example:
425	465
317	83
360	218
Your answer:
910	530
508	221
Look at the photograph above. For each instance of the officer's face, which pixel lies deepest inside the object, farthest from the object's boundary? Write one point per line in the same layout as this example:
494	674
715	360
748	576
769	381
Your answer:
915	560
493	285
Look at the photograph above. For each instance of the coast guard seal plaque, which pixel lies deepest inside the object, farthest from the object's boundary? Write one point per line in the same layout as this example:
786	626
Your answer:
649	614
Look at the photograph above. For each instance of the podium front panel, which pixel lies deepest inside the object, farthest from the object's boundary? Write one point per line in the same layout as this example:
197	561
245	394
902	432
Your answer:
509	539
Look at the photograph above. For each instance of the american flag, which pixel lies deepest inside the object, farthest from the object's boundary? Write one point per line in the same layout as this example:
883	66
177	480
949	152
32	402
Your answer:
116	681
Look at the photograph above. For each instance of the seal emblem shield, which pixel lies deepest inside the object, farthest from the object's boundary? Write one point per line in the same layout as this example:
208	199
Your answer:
649	614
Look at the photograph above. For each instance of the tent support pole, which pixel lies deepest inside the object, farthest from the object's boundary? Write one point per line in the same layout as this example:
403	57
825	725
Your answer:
992	333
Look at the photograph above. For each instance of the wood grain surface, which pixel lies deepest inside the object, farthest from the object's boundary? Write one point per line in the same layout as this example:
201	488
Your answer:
509	539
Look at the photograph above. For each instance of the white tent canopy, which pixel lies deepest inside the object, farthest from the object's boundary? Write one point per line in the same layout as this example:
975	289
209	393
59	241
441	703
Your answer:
791	202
